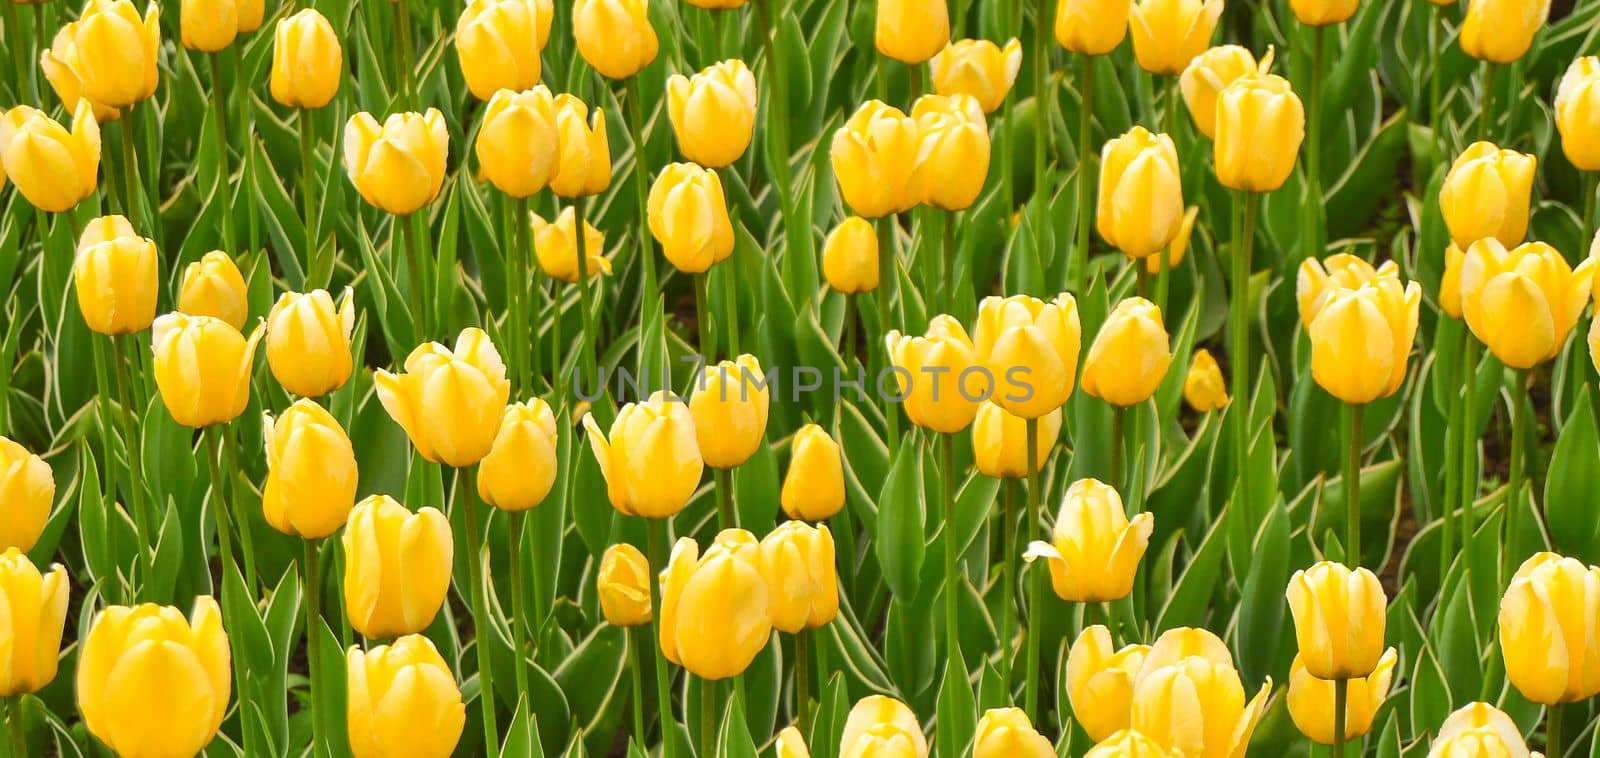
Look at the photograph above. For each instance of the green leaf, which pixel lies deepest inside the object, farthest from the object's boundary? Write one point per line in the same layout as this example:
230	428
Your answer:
900	542
1570	498
957	711
733	738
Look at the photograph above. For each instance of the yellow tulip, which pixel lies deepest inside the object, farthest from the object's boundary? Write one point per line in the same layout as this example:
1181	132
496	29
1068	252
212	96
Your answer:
1188	697
931	374
397	567
1311	700
1339	617
1203	387
213	286
1130	355
729	406
1100	681
108	57
1209	74
115	277
152	683
813	488
1522	303
623	585
518	146
203	368
1260	124
1000	441
1007	733
874	158
850	257
403	700
1167	34
1030	349
1362	323
802	580
308	342
1479	730
35	607
1577	108
1140	208
27	491
52	167
614	36
1179	246
882	727
1091	27
791	744
977	68
498	43
688	215
397	166
520	468
912	31
311	472
208	26
953	161
585	163
1450	282
1547	635
1487	194
1127	744
717	5
1323	12
1096	549
1501	31
651	462
715	607
251	14
713	112
307	61
449	402
556	246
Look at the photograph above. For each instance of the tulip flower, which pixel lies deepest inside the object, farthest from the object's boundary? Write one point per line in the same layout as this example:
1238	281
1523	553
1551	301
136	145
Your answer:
688	215
1096	549
152	683
1260	124
1167	34
1007	733
27	491
1547	636
518	145
717	5
1203	387
1521	303
713	112
311	472
1501	31
1362	324
882	726
651	461
403	700
1127	744
520	468
1091	27
623	585
1000	441
35	608
1140	209
729	406
802	580
202	367
308	342
1486	194
396	567
213	286
911	31
1323	12
1030	349
874	158
1209	74
1188	697
397	166
715	607
1339	617
208	26
52	167
585	163
1130	355
1450	281
850	257
953	160
1479	729
813	487
115	277
614	36
929	372
556	246
108	57
1100	681
449	402
307	61
790	743
498	43
1577	107
1179	246
977	68
251	14
1311	700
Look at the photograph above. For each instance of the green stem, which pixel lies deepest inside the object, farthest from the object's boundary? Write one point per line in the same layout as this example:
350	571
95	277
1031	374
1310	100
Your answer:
1435	79
586	350
18	727
467	502
219	509
1341	695
1589	183
1486	110
132	197
1311	230
316	277
1113	627
702	317
638	637
1452	483
224	175
402	33
847	342
802	680
952	555
402	236
1079	272
1239	349
727	514
730	297
523	339
1118	447
634	94
1517	479
949	270
1008	573
1552	731
1352	483
311	572
108	485
708	718
247	543
143	522
913	82
242	90
521	618
19	57
654	543
1035	583
1469	448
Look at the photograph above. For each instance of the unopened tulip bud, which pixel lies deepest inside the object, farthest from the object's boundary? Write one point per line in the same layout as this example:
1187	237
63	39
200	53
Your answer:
1260	125
713	112
307	61
1140	209
953	160
850	257
1167	34
208	26
1323	12
1501	31
912	31
1450	282
1480	730
977	68
1311	700
35	607
1487	194
929	372
1203	388
449	402
116	277
1096	549
27	491
1100	681
813	487
1522	302
403	700
397	166
802	580
52	167
1091	27
109	57
1546	633
203	368
715	608
1000	441
791	744
1130	355
614	36
623	585
308	342
1577	107
556	246
688	215
729	406
1209	74
311	472
1362	322
651	461
1007	733
396	567
1029	347
1339	617
520	468
213	286
874	159
585	164
1188	697
518	147
882	726
498	43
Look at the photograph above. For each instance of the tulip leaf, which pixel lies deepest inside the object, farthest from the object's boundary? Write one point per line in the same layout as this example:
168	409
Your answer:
1261	611
522	740
170	556
900	530
1570	498
1186	606
733	738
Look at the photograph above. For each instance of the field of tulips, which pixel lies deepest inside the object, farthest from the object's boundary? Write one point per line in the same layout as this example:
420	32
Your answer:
836	378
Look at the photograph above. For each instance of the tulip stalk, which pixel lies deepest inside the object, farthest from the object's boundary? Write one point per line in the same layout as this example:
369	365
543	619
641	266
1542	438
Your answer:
1469	448
1079	269
1516	481
727	514
634	94
247	543
130	171
108	486
312	576
1035	582
952	555
477	575
1352	482
1239	346
1341	699
708	717
219	509
638	638
585	350
521	617
523	352
1589	186
1008	573
142	519
219	106
1552	731
402	33
19	58
802	680
654	539
18	725
1486	111
316	277
1312	210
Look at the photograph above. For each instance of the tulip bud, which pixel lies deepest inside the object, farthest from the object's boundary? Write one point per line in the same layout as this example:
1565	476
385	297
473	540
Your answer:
403	700
35	612
308	342
498	43
1323	12
623	585
730	411
397	166
1209	74
1000	441
715	607
27	491
585	164
1338	620
689	217
307	61
614	36
882	726
931	374
813	488
1480	730
874	158
520	468
518	147
251	14
1007	733
1096	549
1176	645
1100	682
850	257
152	683
1091	27
1522	303
1204	388
311	472
1260	124
449	402
802	580
1311	700
1577	108
1188	697
1030	349
397	567
1546	634
203	368
791	744
556	246
912	31
953	160
209	26
1167	34
213	286
977	68
1127	744
1501	31
115	277
1487	194
108	57
651	461
713	112
1362	325
52	167
1140	209
1450	282
1179	246
1130	355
